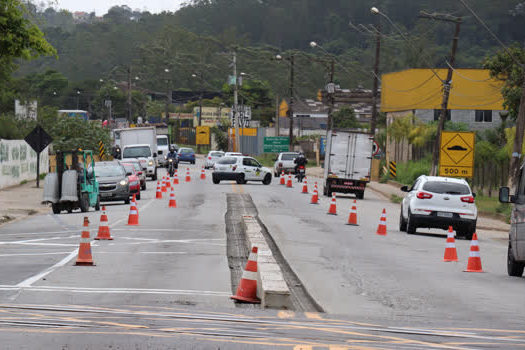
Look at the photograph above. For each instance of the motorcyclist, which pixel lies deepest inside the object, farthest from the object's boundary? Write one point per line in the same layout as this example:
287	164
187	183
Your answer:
117	152
300	160
172	155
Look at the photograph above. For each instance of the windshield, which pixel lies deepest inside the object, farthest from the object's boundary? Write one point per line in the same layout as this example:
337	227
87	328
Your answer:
162	141
289	156
136	152
227	160
185	150
129	168
442	187
216	154
109	171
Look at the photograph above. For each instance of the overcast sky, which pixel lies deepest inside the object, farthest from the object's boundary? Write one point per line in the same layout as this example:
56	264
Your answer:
102	6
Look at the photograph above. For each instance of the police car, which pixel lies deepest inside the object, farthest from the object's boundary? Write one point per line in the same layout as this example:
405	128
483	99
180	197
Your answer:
240	169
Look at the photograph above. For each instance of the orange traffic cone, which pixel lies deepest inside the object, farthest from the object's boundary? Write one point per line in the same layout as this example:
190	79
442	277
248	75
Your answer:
168	181
333	209
474	260
247	289
133	218
450	247
282	178
305	186
173	202
352	218
158	194
84	250
289	182
315	195
176	178
203	174
188	177
381	228
134	201
163	187
103	229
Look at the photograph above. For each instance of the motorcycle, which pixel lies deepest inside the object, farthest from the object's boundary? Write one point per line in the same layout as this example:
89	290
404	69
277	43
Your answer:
300	173
172	165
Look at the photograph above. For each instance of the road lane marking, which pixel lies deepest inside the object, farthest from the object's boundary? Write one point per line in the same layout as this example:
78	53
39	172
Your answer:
38	233
313	315
29	281
35	240
286	314
115	290
30	254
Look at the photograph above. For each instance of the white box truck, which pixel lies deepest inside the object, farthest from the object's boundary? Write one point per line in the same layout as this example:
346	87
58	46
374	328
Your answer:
132	142
347	163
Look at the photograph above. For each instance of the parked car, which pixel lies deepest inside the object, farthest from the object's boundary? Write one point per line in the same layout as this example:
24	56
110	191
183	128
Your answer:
233	154
284	162
212	157
240	169
134	181
439	202
186	155
113	182
141	172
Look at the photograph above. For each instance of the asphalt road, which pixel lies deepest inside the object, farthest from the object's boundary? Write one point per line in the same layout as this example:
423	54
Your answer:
166	283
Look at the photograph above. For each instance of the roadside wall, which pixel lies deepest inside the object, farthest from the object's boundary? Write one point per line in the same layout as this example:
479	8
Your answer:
18	162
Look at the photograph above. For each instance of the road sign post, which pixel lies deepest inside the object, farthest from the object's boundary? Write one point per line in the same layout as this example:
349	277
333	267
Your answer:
38	139
456	155
276	144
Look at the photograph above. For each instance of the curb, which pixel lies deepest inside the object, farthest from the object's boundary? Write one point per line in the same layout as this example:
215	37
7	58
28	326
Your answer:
271	285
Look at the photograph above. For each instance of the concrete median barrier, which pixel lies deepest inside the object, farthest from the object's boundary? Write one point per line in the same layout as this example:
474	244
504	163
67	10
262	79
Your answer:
271	285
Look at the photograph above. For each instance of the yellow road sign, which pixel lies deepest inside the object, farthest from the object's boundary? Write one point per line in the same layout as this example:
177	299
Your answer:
456	156
202	135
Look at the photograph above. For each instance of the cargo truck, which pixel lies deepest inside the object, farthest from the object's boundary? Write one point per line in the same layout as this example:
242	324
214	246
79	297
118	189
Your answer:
347	164
141	144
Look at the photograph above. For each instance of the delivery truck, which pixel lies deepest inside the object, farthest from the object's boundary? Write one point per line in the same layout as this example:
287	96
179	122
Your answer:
347	164
141	144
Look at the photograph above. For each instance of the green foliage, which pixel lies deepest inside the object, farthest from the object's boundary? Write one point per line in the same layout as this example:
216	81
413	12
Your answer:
345	118
503	67
12	128
394	198
408	172
221	137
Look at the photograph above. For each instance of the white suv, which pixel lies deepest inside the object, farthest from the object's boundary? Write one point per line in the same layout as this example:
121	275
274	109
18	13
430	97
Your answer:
240	169
439	202
212	157
285	162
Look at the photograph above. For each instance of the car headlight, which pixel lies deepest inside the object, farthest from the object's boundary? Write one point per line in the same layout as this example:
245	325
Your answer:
150	163
123	182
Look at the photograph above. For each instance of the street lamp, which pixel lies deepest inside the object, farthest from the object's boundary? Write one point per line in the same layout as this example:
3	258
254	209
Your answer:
78	98
291	59
330	87
374	10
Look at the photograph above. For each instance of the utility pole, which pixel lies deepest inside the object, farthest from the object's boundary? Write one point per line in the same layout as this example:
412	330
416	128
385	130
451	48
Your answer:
373	122
129	93
446	83
290	107
236	105
330	89
200	118
514	167
276	115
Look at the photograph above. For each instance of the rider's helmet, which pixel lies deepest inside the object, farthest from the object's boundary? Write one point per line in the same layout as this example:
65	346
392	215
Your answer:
172	149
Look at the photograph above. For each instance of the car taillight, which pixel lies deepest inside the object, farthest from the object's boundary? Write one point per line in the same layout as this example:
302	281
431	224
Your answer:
301	167
280	165
234	167
468	199
209	158
423	195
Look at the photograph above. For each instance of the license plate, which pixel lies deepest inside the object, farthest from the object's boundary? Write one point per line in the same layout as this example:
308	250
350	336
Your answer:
444	215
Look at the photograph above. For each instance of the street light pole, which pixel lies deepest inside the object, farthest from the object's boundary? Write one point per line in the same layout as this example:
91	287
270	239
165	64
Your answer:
290	107
236	105
373	122
129	94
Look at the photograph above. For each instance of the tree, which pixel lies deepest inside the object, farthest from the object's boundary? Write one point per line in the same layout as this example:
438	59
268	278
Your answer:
345	119
503	67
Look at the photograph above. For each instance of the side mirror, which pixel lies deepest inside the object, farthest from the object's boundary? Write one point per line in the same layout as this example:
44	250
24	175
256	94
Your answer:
129	174
405	189
504	195
154	155
473	195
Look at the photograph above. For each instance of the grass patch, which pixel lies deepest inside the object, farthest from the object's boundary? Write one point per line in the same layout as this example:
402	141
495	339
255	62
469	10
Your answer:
23	182
408	172
267	159
394	198
42	176
492	206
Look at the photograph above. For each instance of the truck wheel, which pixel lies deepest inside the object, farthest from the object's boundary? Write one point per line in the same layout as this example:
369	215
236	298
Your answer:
97	206
514	268
402	222
56	208
360	195
276	175
240	179
411	224
327	191
216	180
84	203
267	179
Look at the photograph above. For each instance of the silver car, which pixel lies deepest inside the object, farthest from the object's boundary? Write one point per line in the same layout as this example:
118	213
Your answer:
113	183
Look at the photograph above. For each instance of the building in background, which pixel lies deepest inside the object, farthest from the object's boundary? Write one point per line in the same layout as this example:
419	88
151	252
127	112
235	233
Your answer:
211	116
